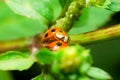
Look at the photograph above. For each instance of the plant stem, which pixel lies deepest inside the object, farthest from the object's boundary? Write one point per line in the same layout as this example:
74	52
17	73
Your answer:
14	45
102	34
85	38
73	12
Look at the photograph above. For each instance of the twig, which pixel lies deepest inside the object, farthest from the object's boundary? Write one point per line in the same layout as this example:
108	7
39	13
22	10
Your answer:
90	37
73	12
14	45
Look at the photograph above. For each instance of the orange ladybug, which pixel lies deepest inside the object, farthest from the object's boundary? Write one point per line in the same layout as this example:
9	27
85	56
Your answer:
56	45
55	39
54	34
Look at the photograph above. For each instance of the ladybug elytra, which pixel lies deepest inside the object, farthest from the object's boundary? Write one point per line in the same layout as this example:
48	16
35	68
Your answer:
55	39
55	34
56	45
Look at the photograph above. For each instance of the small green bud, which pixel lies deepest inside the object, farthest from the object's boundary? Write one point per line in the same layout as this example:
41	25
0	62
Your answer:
70	58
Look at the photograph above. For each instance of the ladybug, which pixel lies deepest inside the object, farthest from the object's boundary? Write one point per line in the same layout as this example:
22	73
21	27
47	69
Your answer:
55	39
56	45
54	34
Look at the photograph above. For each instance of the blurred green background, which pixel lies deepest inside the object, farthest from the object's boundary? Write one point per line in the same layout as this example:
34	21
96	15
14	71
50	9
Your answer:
106	54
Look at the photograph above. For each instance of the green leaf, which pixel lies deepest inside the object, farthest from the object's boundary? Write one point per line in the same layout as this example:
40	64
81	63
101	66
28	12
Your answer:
91	19
97	73
99	3
57	8
65	3
13	26
115	5
43	77
5	75
43	10
45	56
14	60
55	68
84	67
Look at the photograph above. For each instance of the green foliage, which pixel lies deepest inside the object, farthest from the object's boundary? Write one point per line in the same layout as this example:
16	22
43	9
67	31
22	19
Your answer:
84	78
70	63
91	19
115	5
98	74
66	60
45	56
84	67
72	57
65	2
5	75
73	61
99	3
14	60
42	10
13	26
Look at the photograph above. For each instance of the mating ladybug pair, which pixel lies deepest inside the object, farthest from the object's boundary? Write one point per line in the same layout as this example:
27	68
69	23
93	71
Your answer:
55	39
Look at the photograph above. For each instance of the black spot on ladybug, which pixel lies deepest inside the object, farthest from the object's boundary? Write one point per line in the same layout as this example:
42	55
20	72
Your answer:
59	43
61	31
53	30
46	34
47	47
63	37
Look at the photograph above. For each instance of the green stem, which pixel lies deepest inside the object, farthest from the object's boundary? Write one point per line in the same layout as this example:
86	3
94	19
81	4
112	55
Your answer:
103	34
71	15
14	45
85	38
74	12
